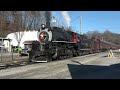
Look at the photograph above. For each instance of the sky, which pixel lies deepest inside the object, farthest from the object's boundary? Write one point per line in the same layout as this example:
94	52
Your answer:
92	20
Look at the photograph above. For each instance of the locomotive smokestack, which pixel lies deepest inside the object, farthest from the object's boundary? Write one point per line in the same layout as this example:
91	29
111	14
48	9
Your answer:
48	24
48	18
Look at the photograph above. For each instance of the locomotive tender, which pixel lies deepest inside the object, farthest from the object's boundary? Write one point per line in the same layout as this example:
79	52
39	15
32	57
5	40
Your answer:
57	43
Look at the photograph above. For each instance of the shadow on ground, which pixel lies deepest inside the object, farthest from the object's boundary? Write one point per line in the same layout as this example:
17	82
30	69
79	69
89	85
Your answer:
94	71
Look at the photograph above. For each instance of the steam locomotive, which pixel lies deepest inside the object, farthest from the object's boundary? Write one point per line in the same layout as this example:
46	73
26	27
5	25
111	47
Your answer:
58	43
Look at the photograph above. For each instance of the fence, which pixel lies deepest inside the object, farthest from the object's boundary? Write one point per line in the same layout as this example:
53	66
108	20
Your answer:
6	56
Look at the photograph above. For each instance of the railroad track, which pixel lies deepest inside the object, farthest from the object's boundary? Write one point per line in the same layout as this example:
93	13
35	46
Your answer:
25	61
15	64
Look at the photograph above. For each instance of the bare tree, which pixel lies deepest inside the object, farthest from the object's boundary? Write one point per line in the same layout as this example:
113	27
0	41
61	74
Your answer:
16	21
19	30
106	35
96	33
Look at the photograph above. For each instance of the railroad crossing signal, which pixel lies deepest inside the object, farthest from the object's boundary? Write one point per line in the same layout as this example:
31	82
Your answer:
110	54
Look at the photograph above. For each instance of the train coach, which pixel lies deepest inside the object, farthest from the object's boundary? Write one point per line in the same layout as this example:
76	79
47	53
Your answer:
57	43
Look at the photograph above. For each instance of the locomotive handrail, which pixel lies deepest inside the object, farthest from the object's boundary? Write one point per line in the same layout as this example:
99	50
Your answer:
63	41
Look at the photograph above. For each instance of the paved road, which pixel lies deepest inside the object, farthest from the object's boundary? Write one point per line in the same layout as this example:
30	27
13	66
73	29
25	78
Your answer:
94	66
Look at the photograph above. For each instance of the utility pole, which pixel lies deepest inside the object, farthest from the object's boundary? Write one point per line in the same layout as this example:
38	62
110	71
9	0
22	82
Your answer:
80	24
2	38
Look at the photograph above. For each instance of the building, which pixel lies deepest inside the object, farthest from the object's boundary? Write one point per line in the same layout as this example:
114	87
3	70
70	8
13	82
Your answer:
27	36
5	44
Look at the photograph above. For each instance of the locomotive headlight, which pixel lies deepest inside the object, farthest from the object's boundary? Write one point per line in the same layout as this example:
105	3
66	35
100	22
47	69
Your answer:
43	26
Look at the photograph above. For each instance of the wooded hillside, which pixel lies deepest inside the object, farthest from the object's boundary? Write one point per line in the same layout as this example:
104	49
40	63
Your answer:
106	35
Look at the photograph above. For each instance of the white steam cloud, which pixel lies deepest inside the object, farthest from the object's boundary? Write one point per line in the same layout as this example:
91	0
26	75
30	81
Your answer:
66	17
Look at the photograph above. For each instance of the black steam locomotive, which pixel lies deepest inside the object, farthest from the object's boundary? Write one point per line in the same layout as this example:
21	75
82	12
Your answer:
58	43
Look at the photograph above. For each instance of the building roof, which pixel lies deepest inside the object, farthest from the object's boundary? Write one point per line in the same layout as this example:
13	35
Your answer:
5	39
27	42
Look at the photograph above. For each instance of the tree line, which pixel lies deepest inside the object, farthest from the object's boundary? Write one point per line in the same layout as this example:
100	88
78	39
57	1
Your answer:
106	35
15	21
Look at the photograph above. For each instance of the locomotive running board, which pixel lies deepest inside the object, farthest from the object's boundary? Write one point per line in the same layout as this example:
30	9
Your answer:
63	42
38	61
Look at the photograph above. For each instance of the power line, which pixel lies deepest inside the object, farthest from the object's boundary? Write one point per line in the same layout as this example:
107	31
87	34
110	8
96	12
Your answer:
75	19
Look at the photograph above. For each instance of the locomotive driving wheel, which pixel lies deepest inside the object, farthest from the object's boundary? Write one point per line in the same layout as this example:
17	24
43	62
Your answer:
74	53
79	53
70	54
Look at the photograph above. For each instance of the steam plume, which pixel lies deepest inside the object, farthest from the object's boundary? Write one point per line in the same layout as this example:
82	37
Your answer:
66	17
